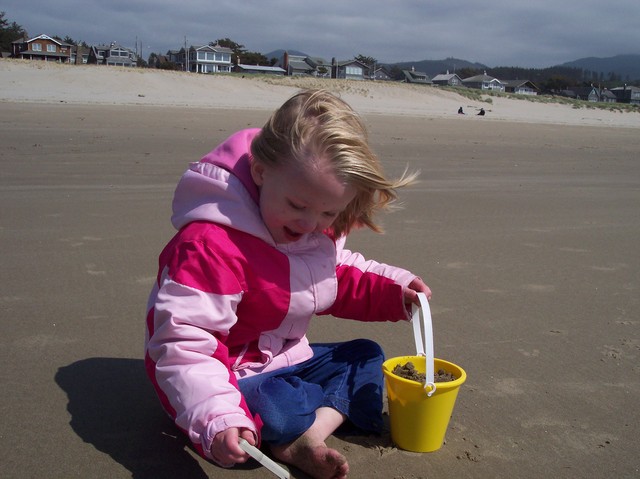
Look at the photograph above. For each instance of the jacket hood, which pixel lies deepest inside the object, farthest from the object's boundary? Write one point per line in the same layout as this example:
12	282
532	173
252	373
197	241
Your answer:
219	188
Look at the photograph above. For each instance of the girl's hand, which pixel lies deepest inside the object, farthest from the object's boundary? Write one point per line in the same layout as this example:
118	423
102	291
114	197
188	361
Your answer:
411	292
225	449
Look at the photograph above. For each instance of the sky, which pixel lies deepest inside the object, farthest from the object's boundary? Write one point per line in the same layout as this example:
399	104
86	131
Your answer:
532	33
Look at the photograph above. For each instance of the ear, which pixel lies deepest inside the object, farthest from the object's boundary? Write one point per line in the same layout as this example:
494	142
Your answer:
257	172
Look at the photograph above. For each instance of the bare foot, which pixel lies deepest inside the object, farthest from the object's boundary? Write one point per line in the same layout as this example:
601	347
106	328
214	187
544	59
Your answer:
316	459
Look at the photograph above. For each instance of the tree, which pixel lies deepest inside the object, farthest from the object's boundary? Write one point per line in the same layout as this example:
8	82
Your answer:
9	32
253	58
369	61
556	83
396	72
241	55
228	43
468	72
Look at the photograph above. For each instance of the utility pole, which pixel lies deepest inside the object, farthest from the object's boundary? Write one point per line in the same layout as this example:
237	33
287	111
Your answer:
186	55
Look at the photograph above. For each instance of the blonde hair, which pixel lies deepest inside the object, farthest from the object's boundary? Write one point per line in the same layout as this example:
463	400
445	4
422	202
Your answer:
316	124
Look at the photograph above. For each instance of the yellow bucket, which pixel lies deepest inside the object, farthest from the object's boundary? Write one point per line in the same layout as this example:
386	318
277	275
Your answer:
419	422
419	412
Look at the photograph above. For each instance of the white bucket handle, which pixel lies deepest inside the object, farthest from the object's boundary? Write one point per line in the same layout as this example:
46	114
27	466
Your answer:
424	348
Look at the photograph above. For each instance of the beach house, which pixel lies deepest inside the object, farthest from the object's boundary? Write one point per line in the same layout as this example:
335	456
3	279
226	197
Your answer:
447	79
483	82
42	47
112	54
304	65
413	76
349	70
520	87
209	59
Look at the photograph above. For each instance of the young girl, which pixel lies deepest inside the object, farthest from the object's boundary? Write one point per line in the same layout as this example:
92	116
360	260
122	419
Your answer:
262	222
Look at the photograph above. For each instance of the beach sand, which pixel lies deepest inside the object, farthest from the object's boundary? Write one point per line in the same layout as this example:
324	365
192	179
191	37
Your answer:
525	225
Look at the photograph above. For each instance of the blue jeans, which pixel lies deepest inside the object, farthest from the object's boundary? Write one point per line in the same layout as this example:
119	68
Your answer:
344	376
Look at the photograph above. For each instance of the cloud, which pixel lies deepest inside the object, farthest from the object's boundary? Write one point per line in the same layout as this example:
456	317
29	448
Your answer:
506	33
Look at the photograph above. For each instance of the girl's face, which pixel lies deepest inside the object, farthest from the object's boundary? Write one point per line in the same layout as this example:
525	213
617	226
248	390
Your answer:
298	200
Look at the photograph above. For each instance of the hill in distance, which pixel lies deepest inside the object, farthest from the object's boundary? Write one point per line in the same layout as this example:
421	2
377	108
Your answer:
430	67
627	67
279	53
434	67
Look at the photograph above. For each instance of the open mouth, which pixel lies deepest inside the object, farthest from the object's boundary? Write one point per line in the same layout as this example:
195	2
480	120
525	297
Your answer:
291	235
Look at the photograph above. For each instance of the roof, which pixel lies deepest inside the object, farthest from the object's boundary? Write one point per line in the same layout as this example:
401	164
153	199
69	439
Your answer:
261	68
349	62
318	61
517	83
215	48
40	37
444	76
111	46
584	90
480	79
628	87
300	65
412	76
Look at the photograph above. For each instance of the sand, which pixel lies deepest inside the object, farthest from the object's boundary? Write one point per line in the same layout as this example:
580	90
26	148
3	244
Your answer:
525	225
39	82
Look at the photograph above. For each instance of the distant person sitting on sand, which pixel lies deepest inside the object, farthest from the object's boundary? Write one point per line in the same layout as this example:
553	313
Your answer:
460	111
262	222
481	112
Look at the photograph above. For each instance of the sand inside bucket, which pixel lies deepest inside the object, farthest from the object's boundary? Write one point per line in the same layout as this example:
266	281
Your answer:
409	371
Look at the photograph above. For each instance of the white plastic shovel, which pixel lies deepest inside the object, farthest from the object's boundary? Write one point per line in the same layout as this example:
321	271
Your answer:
264	460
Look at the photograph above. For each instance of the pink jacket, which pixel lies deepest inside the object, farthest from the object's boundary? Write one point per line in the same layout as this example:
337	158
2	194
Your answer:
230	303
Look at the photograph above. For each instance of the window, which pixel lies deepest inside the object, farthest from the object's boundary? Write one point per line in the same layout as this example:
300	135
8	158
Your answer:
51	48
354	71
36	47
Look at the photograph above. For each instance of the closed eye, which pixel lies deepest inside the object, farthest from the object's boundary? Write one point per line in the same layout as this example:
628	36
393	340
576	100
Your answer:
295	206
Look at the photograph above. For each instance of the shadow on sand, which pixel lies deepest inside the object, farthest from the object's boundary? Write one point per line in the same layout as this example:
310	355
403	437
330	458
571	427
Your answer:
114	407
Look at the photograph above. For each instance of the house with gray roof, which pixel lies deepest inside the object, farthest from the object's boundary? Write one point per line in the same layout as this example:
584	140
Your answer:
587	93
607	96
259	69
483	82
627	94
520	87
447	79
302	65
349	70
112	55
591	94
322	68
412	76
382	73
209	59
